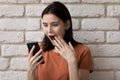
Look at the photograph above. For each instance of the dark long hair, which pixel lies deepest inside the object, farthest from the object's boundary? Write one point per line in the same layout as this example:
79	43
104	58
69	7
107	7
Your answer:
61	11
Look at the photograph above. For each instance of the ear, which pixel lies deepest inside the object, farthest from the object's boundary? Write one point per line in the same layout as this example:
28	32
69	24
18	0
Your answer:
67	24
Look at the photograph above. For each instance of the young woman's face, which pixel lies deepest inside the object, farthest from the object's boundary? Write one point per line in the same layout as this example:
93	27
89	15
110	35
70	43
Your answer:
53	26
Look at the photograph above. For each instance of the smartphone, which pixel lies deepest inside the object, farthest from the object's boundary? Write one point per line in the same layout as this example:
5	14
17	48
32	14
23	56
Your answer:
37	48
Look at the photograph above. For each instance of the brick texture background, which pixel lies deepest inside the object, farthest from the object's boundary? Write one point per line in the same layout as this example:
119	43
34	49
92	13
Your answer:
96	23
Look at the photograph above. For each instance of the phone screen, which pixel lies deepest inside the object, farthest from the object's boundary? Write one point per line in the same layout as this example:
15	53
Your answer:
30	45
37	48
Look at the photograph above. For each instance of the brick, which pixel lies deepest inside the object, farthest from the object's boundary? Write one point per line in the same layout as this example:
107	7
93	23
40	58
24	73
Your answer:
19	24
86	10
105	50
113	10
18	63
14	50
67	1
11	10
89	37
3	1
34	36
19	1
100	24
106	63
13	75
75	24
117	75
11	37
34	10
113	37
3	63
27	1
101	1
101	75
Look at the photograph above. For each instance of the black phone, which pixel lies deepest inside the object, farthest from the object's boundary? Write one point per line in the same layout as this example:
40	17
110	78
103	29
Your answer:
37	48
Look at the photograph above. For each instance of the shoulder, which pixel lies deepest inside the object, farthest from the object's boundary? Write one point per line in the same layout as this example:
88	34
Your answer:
82	50
82	47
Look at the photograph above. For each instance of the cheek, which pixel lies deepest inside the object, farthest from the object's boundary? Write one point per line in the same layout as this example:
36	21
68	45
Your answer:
44	30
61	33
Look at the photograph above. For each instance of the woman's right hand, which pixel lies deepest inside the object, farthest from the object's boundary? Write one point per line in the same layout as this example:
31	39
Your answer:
33	63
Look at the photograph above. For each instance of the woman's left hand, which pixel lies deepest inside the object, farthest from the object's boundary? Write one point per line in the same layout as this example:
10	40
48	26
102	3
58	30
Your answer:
66	50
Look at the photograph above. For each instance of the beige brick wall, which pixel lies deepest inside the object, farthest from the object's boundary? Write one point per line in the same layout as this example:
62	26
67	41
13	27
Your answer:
95	23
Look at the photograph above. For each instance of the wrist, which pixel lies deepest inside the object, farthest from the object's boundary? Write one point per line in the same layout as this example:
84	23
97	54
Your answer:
72	62
73	70
31	75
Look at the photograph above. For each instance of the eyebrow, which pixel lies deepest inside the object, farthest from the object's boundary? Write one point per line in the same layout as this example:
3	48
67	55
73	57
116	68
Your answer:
44	23
50	23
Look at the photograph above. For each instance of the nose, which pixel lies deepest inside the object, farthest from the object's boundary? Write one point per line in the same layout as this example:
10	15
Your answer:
49	29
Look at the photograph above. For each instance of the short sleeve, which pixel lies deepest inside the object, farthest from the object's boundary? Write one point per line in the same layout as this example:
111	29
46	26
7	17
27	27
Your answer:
85	59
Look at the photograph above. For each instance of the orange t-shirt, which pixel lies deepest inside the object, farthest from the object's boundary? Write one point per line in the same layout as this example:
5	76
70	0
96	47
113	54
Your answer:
56	68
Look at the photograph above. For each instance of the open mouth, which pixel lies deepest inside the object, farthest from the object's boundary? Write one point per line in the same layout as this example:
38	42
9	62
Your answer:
52	37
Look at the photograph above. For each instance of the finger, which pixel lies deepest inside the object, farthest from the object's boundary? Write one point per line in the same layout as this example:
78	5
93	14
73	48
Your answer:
31	52
37	58
62	41
35	65
39	44
38	53
66	46
71	45
59	42
41	61
57	45
31	59
57	50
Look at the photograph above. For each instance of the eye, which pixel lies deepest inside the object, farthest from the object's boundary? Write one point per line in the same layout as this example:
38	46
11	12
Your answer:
55	24
45	25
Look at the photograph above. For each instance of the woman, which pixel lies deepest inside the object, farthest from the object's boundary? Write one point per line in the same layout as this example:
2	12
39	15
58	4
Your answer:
65	59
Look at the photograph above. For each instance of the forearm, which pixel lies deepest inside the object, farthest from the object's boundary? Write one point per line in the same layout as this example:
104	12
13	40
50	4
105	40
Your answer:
73	71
